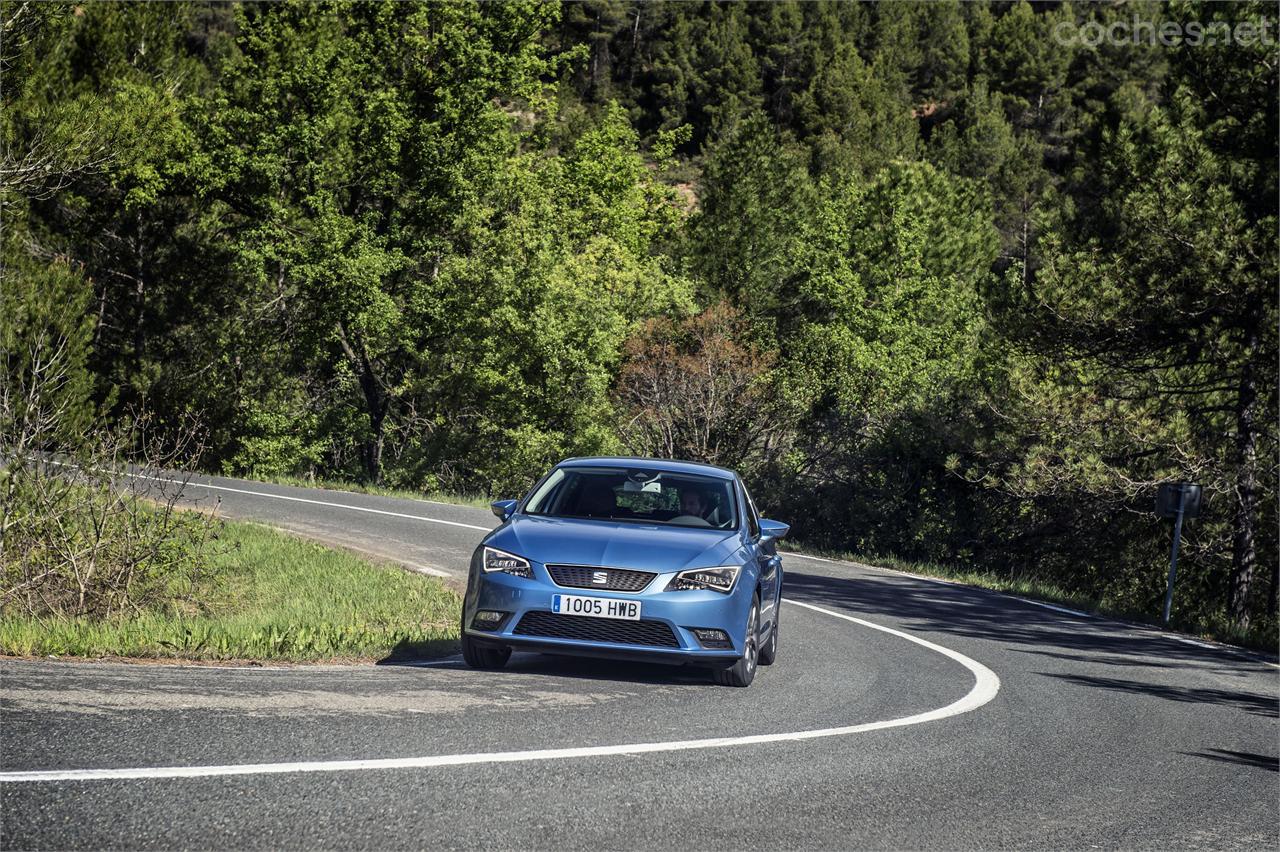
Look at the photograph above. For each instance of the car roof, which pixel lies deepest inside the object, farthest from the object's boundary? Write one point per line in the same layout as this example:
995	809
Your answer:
668	465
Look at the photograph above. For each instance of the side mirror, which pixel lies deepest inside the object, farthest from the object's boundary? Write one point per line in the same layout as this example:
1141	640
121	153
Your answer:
503	509
773	529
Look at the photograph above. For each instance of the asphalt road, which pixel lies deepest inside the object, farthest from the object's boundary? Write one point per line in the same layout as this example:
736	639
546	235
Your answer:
1101	735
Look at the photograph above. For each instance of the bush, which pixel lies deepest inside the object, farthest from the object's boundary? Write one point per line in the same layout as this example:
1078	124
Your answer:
78	542
76	537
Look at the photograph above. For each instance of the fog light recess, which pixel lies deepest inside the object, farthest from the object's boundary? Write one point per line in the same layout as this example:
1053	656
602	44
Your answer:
711	638
488	619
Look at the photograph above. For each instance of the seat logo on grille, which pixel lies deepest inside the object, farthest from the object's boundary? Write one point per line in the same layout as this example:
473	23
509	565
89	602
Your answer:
600	578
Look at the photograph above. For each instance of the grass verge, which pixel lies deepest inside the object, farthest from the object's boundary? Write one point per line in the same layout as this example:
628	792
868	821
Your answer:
267	596
1261	638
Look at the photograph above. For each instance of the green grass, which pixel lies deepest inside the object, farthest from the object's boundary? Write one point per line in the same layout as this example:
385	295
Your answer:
268	596
478	501
1262	637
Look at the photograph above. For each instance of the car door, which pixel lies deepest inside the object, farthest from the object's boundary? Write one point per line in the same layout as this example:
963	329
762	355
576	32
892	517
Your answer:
769	563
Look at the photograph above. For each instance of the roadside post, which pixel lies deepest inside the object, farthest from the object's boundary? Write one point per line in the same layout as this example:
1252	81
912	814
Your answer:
1177	500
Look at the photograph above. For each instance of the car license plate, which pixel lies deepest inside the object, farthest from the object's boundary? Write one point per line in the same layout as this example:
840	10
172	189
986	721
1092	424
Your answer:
595	607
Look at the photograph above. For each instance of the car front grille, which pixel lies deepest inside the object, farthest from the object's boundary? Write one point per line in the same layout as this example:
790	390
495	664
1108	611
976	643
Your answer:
616	579
618	631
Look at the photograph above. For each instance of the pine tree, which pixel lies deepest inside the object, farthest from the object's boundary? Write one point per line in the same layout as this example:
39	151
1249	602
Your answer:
1162	330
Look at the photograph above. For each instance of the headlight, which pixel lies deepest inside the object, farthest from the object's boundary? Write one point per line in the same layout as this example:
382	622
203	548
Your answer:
717	579
507	563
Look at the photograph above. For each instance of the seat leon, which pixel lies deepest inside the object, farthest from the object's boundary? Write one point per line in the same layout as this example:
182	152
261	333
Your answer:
629	558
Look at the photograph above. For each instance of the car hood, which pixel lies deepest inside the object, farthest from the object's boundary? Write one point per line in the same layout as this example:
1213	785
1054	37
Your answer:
615	544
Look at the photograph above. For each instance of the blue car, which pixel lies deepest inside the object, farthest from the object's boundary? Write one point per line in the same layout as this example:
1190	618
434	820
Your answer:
629	558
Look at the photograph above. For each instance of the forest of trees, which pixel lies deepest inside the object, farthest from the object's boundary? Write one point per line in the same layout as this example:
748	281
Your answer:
940	283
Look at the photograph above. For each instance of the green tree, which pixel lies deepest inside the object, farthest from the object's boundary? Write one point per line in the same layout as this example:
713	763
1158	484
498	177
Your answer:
978	142
886	290
539	305
756	198
595	24
96	109
1161	332
855	116
46	337
350	145
881	349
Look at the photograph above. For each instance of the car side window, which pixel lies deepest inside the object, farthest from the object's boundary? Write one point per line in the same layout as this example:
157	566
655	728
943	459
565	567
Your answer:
753	520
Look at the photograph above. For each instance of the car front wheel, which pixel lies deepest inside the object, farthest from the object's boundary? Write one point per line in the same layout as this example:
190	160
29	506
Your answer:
481	656
743	672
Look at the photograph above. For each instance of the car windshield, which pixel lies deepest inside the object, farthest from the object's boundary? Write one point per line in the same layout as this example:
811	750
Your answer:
640	495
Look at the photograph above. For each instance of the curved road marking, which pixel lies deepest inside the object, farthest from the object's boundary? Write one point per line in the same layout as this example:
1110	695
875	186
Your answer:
1144	630
985	687
194	484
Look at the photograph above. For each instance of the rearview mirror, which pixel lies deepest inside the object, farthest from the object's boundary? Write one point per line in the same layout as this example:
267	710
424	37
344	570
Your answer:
503	509
773	529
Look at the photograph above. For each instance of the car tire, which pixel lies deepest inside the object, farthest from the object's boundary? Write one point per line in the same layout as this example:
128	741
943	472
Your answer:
482	656
743	671
769	650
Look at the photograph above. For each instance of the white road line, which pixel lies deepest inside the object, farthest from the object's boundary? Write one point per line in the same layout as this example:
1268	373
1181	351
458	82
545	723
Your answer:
190	483
1151	632
240	668
942	582
1075	612
985	687
935	580
1195	642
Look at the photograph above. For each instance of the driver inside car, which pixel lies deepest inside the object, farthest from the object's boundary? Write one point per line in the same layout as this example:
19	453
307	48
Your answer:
693	504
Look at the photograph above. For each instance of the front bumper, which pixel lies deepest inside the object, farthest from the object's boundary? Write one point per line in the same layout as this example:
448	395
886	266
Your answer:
681	612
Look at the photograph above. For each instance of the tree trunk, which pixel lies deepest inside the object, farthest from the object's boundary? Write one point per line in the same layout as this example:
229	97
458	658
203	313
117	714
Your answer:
139	294
376	405
376	402
372	452
1273	599
1244	550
